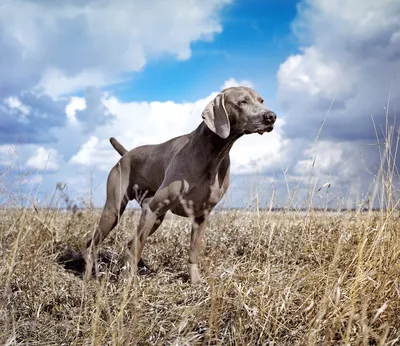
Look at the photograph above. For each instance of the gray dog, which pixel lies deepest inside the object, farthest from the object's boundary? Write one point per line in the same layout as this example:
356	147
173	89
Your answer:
187	175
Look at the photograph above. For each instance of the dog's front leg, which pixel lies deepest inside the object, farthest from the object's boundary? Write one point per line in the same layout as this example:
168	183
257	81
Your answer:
198	228
147	222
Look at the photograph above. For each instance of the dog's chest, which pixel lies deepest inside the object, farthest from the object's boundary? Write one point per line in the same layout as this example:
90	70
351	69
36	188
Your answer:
205	191
208	192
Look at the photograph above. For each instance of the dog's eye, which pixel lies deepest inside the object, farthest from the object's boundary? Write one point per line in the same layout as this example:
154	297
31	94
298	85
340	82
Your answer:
242	102
261	101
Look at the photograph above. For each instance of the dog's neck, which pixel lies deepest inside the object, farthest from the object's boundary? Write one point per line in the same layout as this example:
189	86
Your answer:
213	146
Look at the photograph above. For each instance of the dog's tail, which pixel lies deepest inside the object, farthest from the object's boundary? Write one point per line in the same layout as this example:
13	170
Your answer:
118	146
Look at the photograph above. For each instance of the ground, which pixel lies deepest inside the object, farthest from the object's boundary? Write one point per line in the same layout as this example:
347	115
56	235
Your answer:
269	278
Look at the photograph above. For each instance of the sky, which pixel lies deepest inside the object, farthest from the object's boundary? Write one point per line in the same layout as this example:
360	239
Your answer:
75	73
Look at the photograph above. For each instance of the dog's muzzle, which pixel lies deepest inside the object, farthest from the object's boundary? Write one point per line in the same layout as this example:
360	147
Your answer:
269	117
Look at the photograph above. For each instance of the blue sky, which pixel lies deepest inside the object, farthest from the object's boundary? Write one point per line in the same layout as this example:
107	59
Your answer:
74	74
255	40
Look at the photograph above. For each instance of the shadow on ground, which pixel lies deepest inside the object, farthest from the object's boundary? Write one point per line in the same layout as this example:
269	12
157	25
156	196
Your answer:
109	262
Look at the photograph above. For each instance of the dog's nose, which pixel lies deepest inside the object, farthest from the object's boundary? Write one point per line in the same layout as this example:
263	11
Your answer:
269	116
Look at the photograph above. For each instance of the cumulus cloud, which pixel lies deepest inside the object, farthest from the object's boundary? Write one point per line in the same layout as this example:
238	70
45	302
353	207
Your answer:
61	46
30	118
44	160
352	59
255	154
53	48
94	113
75	104
232	82
15	104
348	63
94	152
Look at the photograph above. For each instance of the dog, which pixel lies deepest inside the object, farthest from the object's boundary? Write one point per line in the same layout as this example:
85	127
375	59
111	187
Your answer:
187	175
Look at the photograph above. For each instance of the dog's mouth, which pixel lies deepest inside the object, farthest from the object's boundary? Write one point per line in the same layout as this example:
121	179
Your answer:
269	128
261	130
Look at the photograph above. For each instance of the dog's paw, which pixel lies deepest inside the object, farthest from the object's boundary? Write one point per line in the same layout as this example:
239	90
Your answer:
144	268
194	274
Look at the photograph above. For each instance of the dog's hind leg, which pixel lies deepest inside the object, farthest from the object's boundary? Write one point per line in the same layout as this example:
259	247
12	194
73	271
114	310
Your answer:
117	199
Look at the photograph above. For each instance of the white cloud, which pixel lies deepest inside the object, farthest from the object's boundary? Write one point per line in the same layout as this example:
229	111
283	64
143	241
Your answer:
95	153
349	56
75	104
44	159
256	154
29	118
15	103
232	82
60	47
330	162
310	73
54	82
51	48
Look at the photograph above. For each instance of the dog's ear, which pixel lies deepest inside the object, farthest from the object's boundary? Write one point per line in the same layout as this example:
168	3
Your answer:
216	117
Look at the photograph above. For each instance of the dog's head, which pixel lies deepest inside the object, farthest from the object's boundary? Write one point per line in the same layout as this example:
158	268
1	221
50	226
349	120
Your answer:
240	109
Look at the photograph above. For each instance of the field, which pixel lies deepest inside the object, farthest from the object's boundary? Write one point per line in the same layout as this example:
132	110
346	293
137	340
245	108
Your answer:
269	278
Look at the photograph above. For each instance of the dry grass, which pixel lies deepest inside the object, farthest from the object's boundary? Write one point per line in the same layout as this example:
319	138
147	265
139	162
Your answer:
268	279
